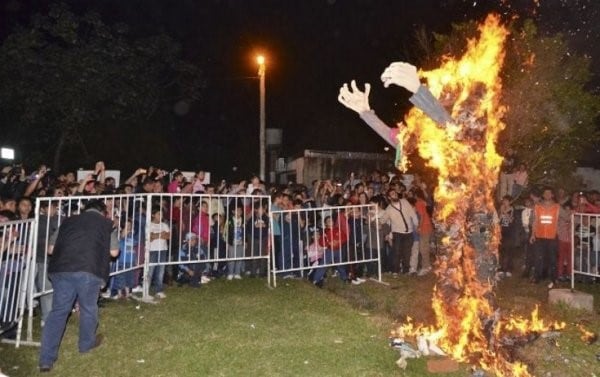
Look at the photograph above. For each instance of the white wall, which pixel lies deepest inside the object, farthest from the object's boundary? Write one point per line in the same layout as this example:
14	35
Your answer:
591	178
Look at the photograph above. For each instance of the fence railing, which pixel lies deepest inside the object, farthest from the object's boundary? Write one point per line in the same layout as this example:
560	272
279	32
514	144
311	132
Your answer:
585	246
207	234
232	232
15	250
311	240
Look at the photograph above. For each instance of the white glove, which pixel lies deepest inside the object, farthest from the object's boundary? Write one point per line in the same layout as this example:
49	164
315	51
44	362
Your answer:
355	99
401	74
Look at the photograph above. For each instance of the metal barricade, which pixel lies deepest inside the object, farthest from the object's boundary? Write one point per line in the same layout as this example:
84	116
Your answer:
309	241
15	253
585	246
128	214
231	233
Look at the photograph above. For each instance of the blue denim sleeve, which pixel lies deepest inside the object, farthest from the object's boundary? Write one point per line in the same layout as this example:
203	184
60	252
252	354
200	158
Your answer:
424	100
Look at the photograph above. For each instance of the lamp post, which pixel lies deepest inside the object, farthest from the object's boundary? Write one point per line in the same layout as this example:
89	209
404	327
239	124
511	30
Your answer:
262	133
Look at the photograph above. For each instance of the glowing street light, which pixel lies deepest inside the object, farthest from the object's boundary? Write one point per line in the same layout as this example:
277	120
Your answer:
260	59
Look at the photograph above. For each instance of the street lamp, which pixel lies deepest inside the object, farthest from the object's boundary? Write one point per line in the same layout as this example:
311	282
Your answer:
260	59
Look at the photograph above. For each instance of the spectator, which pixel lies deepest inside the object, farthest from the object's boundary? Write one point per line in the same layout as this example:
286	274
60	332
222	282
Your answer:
507	237
257	229
425	231
506	173
124	282
236	241
401	216
255	184
544	237
198	182
315	252
333	240
526	217
8	205
25	209
78	269
563	265
190	273
356	228
175	185
520	181
159	233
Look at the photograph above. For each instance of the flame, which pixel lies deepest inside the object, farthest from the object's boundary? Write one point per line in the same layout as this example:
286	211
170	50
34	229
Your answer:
523	325
464	154
587	336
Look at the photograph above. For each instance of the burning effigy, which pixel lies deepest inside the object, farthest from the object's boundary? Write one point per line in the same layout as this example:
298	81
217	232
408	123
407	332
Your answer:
455	124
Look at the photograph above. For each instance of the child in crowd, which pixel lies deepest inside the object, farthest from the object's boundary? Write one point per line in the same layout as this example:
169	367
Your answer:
257	228
122	283
159	234
190	273
314	252
236	241
333	240
218	244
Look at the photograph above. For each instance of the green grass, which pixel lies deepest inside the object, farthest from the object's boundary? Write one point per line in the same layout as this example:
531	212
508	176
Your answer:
239	328
243	328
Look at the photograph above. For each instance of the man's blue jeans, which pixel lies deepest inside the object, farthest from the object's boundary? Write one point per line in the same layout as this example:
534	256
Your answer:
69	286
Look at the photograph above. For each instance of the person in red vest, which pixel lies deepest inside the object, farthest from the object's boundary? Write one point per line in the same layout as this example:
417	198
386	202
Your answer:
544	238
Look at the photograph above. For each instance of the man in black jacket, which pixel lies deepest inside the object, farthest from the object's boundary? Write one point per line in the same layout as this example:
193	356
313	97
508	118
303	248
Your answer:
78	269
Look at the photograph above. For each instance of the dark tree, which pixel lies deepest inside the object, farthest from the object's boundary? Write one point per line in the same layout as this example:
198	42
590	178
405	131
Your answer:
73	84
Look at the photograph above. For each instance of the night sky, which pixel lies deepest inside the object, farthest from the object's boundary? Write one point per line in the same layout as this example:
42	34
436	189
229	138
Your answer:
312	48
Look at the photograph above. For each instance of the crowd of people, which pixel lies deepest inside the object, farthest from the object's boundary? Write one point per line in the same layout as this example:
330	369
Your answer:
535	226
537	223
536	230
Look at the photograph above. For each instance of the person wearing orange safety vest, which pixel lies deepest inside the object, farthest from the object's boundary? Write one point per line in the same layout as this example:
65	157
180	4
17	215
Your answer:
544	236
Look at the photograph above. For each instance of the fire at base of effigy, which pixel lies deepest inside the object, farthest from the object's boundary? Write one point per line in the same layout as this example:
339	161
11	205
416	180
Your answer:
469	327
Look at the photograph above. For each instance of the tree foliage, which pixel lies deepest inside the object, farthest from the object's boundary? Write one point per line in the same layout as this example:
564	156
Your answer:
69	79
551	118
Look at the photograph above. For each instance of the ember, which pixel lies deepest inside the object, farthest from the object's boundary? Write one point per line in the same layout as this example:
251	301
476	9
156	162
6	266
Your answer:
587	337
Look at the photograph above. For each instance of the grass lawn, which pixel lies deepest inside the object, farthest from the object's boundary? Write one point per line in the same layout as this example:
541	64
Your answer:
243	328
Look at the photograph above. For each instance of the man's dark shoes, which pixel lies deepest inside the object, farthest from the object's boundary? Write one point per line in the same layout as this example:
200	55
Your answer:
99	339
45	368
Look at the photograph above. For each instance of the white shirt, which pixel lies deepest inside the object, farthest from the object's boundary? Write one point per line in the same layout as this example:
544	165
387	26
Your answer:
394	215
159	243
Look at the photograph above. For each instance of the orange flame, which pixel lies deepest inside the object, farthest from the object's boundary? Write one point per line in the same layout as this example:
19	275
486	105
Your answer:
587	336
464	154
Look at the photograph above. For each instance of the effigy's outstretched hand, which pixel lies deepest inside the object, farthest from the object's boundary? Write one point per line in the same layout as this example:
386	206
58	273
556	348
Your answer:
353	98
401	74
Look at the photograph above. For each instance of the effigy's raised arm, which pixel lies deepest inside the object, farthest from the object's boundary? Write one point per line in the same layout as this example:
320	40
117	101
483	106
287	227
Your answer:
401	74
406	76
358	101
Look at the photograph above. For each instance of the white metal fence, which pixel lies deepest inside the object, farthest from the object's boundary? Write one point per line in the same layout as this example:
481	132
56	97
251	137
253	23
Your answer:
307	241
236	235
15	250
232	231
585	247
